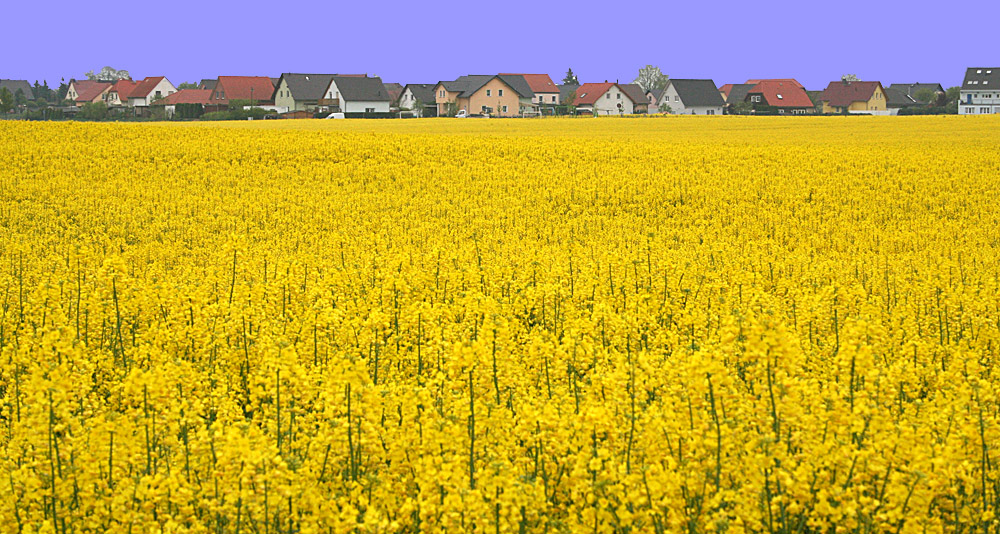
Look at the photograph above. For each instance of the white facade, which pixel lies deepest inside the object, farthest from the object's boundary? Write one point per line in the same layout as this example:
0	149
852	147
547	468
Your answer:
607	104
979	102
161	90
283	97
355	106
677	107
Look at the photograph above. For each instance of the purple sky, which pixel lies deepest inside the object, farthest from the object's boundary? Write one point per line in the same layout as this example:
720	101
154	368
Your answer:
725	40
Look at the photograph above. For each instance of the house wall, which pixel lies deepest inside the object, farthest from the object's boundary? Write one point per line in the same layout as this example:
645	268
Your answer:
495	100
442	97
546	98
165	89
979	102
286	101
358	106
607	104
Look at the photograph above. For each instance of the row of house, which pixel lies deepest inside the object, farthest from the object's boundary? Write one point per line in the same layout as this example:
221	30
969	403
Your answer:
520	94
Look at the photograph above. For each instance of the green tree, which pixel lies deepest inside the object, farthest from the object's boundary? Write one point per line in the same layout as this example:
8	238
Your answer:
570	78
93	111
925	96
20	99
61	92
187	85
953	94
6	100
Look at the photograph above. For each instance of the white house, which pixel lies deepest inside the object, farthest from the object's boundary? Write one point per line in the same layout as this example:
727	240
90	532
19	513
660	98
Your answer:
419	98
691	97
149	90
358	94
980	93
603	99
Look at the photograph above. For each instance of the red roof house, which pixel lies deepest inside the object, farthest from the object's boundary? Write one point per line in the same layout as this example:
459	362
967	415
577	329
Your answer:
120	91
788	96
257	88
605	98
546	92
87	91
791	81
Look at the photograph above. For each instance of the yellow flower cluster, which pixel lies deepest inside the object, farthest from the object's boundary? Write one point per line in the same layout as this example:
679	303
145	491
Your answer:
603	325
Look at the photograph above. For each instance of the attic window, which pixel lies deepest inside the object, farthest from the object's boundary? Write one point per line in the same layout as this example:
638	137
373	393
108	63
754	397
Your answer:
307	78
980	71
985	82
780	97
989	72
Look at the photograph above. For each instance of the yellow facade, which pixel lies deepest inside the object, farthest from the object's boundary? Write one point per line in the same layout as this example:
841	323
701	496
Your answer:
875	103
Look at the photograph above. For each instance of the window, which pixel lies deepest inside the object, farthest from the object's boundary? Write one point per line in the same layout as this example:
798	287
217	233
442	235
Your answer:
158	95
553	98
441	93
985	82
780	97
489	93
755	98
710	112
505	109
499	92
618	96
607	96
369	110
984	110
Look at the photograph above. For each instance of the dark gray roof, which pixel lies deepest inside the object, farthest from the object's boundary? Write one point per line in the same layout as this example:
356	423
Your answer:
981	78
634	92
565	90
468	85
739	92
911	89
657	93
423	92
208	84
306	87
14	85
363	89
896	98
697	92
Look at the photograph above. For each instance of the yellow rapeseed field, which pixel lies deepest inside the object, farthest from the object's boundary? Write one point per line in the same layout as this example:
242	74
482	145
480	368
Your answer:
596	325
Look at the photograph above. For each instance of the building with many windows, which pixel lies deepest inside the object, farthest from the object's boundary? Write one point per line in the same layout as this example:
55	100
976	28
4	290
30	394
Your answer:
980	94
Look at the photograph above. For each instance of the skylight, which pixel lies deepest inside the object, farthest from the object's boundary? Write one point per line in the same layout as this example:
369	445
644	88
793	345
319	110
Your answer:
780	97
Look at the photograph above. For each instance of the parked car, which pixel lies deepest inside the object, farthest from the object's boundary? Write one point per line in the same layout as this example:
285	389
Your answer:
461	114
335	116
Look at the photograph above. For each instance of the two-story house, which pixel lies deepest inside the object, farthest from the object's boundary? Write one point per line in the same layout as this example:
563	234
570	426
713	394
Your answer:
300	92
980	93
848	96
419	98
785	95
546	92
500	95
150	90
691	97
605	98
356	94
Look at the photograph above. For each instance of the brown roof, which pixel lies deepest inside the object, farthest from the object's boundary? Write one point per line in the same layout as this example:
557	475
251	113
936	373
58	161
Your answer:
89	90
239	87
792	81
842	94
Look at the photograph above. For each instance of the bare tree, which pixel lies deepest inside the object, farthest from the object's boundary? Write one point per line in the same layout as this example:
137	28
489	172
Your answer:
651	77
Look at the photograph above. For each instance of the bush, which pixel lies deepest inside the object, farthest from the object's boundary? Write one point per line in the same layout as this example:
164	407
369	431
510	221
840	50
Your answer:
188	111
235	115
929	110
94	111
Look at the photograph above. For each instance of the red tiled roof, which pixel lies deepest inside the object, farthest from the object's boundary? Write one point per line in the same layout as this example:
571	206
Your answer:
186	96
146	86
725	89
588	93
783	80
239	88
124	88
89	90
842	94
539	83
783	94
